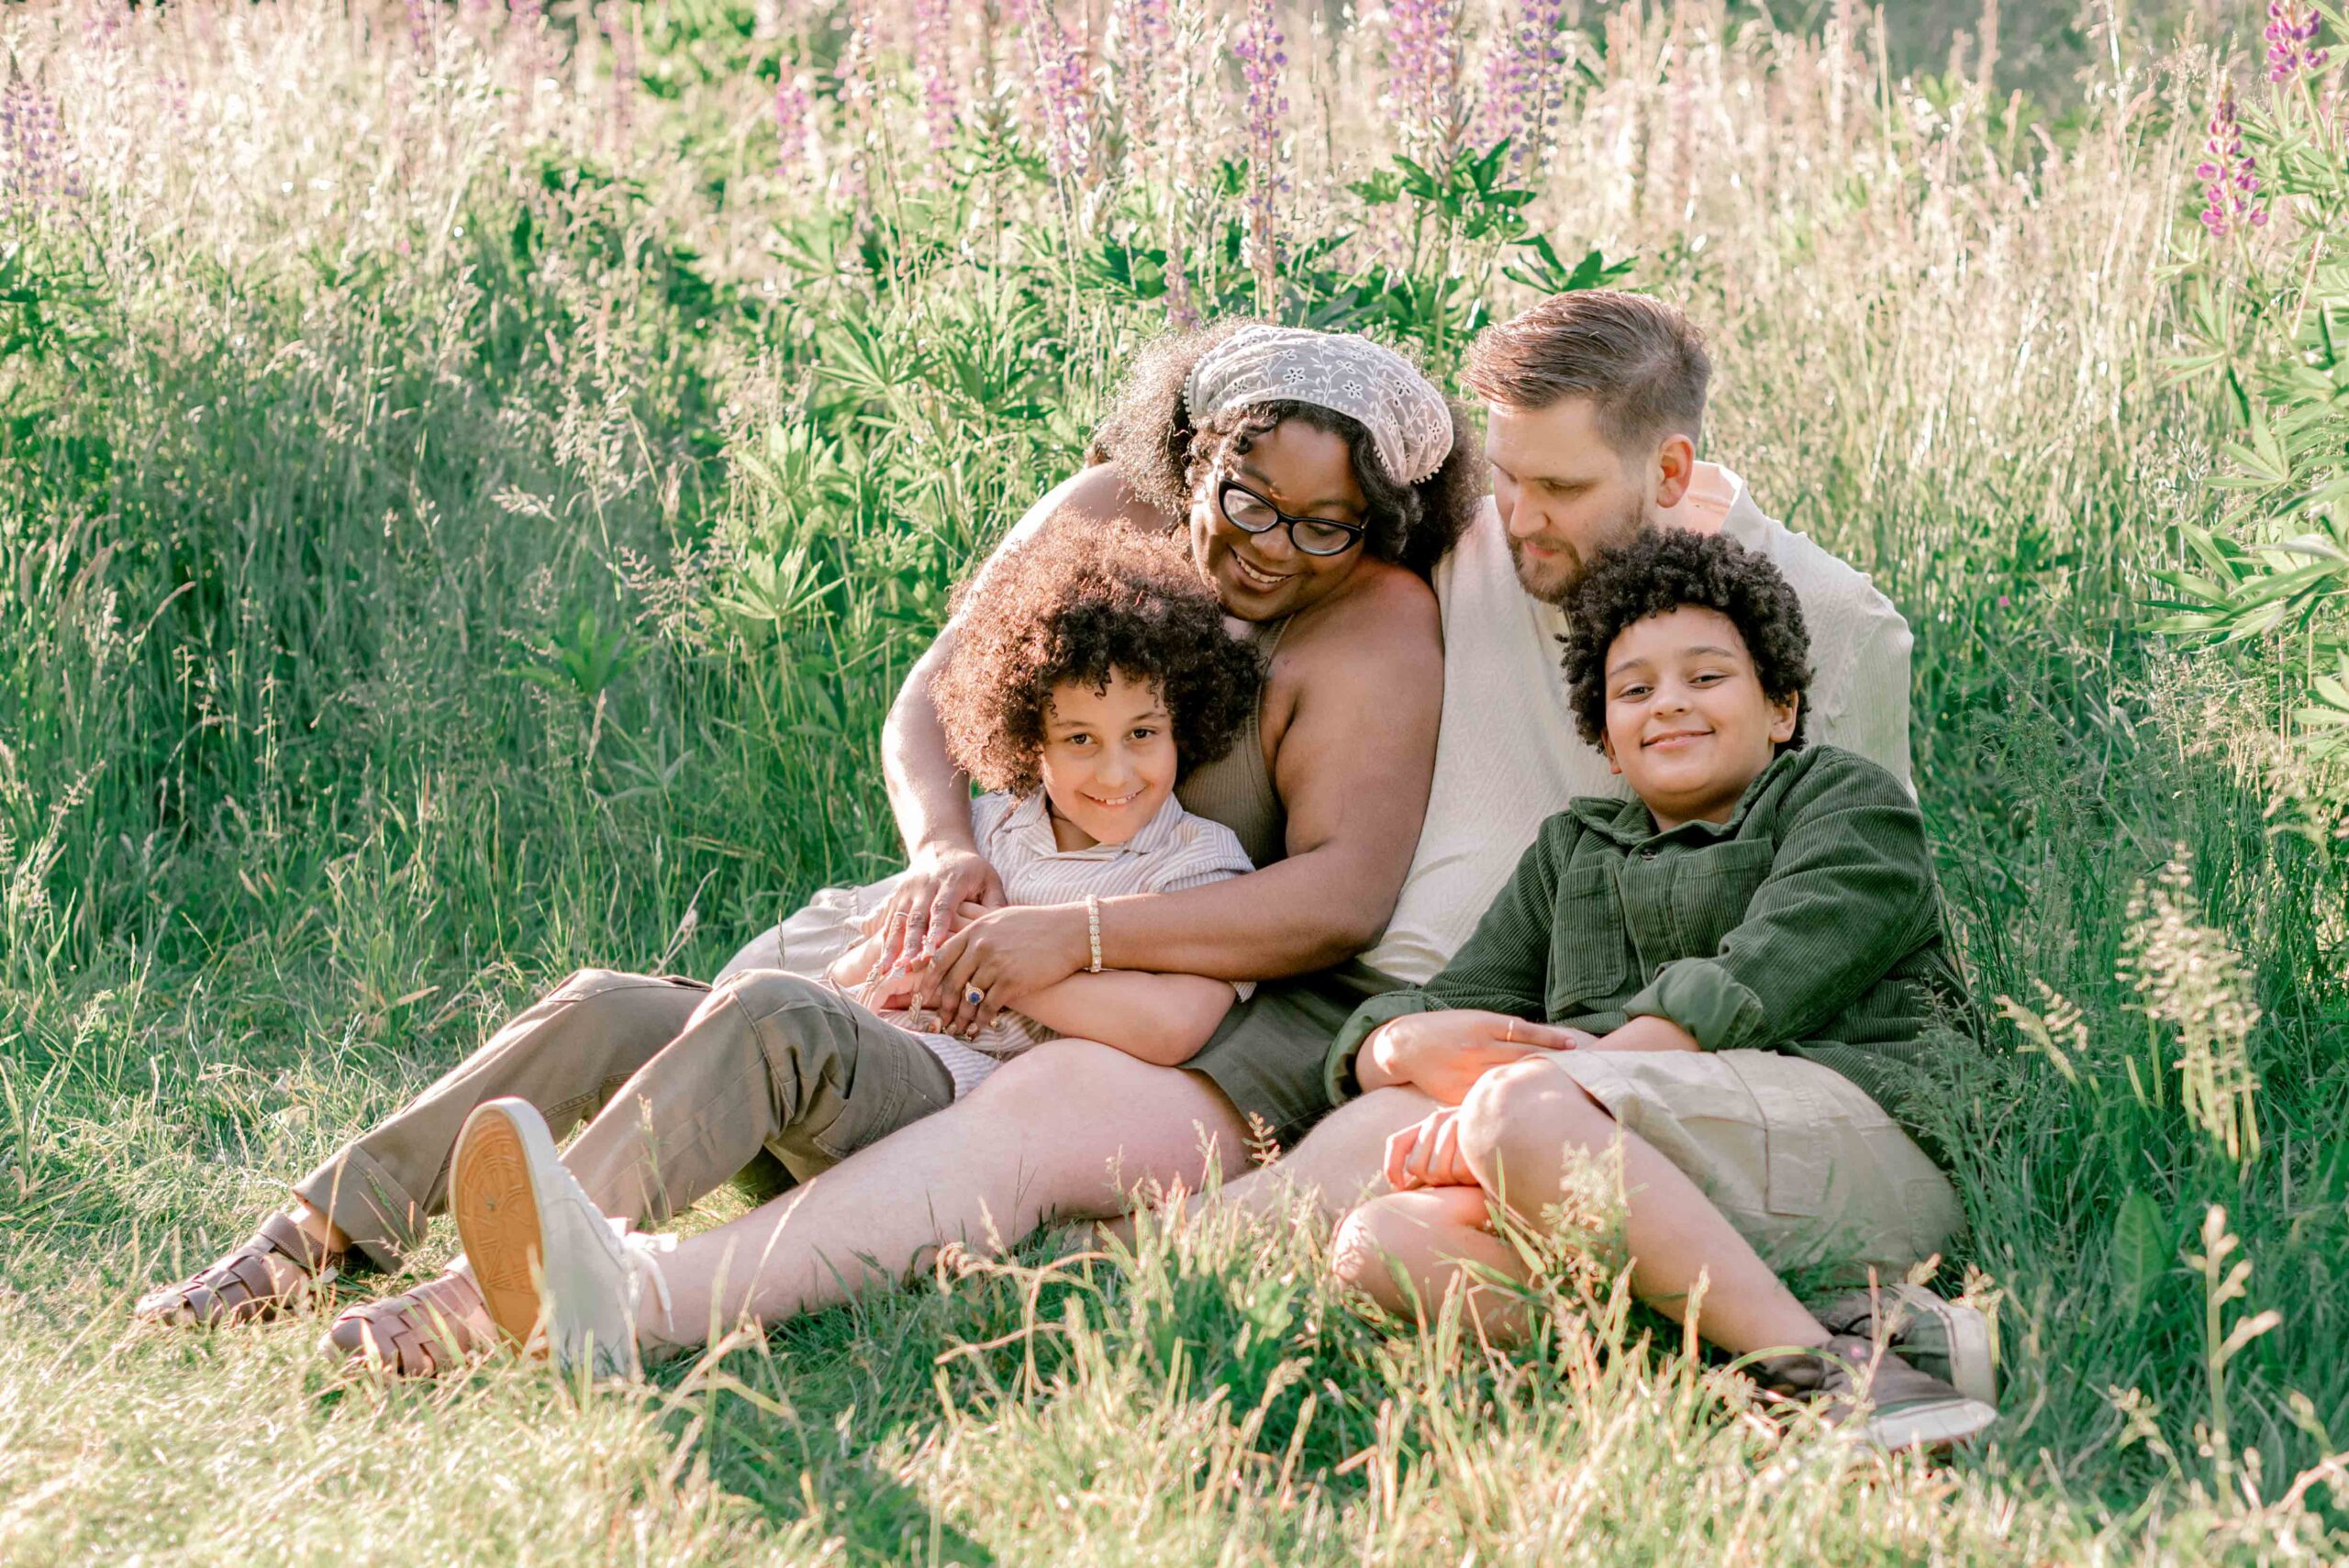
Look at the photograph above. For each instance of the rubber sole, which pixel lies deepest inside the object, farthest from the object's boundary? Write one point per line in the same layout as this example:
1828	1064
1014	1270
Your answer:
1935	1425
497	1209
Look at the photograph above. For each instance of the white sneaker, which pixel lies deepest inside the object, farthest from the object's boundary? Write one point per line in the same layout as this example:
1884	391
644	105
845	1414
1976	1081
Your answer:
1947	1339
550	1263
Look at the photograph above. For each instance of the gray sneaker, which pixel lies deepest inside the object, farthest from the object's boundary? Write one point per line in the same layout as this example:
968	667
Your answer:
1947	1339
552	1267
1865	1389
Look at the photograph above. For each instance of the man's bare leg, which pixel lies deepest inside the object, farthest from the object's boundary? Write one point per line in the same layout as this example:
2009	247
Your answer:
1067	1131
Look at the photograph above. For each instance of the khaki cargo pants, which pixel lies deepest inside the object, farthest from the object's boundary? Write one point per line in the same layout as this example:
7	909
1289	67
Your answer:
686	1086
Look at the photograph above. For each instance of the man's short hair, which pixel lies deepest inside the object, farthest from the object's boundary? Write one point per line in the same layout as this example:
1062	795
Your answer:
1639	361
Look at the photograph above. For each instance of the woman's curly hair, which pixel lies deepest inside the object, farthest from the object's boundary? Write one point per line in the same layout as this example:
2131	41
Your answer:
1073	603
1147	437
1658	573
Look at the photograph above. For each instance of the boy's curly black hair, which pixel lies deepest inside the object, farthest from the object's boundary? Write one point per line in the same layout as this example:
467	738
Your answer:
1147	437
1073	603
1655	574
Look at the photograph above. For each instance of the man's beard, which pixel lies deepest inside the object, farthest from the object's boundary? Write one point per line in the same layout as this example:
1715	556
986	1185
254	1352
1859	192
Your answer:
1552	582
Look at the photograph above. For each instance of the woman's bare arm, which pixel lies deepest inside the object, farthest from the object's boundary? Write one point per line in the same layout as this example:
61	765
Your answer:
1354	768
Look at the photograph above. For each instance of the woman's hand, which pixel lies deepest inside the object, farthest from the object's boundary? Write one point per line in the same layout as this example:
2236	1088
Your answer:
1004	955
1427	1155
925	908
1442	1054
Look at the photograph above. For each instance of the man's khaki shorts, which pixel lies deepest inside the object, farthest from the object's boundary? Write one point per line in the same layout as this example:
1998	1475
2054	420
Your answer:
1807	1167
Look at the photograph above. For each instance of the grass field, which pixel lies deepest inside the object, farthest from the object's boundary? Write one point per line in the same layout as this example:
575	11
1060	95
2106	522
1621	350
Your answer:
474	476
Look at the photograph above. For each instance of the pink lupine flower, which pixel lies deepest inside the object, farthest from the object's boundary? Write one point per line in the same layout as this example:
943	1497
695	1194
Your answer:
1523	79
2291	28
1145	55
2230	181
620	27
1423	69
856	94
1067	98
1263	53
933	52
794	129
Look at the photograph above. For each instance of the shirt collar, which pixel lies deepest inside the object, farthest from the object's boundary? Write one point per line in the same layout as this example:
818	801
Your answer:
1030	818
1629	824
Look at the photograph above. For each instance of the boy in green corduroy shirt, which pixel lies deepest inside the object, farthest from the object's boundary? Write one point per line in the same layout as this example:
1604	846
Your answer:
1733	975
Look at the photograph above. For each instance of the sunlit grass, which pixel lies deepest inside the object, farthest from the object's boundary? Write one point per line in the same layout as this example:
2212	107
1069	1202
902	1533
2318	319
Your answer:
465	513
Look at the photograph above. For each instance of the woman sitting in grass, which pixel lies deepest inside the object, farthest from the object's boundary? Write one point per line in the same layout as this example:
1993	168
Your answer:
1738	972
1085	681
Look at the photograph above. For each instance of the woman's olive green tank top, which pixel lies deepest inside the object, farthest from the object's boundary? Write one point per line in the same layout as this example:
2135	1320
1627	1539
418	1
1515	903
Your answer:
1236	789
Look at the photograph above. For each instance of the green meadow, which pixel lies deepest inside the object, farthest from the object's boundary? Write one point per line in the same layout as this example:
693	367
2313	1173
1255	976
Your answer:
473	476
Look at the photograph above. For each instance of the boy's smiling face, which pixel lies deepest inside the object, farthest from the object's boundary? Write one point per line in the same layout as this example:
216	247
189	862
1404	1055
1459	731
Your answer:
1687	723
1108	760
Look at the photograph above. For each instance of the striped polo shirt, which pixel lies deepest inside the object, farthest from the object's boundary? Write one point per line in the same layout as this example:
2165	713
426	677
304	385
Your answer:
1173	850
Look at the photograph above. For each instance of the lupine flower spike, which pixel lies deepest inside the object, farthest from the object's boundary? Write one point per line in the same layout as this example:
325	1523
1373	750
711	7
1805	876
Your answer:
1423	69
1521	88
2230	181
2291	28
1060	83
1263	53
795	112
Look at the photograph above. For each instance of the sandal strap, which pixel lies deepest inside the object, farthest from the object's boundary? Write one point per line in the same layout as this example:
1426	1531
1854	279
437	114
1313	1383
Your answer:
276	1267
423	1332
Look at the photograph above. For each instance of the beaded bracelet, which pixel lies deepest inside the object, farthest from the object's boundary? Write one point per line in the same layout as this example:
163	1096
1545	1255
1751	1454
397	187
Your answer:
1092	929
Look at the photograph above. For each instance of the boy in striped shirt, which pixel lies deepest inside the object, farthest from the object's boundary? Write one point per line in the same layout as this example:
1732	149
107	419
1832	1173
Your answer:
1091	673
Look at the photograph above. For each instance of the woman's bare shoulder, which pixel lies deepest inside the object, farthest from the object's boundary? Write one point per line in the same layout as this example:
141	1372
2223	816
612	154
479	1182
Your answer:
1384	606
1100	493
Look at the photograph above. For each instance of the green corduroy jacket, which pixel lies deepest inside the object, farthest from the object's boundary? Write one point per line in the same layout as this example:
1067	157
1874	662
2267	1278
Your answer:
1808	922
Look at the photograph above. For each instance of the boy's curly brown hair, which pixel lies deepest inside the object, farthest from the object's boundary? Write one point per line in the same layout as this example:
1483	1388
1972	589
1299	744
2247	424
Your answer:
1073	603
1147	437
1656	573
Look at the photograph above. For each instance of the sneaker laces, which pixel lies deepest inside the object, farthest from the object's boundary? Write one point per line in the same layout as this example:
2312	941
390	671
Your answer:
640	1254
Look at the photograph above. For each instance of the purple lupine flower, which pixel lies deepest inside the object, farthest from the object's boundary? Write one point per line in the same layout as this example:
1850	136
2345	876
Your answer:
1145	57
794	123
1263	53
933	50
420	28
1423	69
32	139
1061	87
1523	79
526	19
2231	182
2289	34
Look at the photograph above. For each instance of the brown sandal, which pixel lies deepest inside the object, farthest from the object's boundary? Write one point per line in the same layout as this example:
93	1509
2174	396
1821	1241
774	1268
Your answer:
434	1328
277	1269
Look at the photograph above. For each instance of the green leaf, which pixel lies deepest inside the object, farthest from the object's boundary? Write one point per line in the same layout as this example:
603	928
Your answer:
2140	1251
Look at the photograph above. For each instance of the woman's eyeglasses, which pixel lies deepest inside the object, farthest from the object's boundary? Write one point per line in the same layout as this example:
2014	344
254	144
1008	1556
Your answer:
1252	514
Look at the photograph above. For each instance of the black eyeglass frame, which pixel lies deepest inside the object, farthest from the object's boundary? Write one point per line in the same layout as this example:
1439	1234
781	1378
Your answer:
1355	532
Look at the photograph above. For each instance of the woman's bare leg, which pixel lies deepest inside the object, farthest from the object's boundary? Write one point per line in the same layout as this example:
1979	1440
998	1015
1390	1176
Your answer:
1067	1131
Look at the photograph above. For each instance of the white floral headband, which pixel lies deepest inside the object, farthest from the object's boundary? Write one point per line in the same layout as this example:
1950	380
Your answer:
1409	421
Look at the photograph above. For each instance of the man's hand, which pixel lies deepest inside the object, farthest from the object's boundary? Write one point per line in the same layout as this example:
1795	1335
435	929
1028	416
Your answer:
925	908
1004	954
1427	1155
1443	1054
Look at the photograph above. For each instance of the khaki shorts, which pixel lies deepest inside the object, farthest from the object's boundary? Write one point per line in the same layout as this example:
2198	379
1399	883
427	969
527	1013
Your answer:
1804	1164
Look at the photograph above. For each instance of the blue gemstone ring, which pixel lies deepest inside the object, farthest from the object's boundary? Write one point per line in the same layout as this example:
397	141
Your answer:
974	996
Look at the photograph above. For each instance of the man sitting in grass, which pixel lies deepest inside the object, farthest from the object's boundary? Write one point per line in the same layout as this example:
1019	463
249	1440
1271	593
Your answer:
1735	975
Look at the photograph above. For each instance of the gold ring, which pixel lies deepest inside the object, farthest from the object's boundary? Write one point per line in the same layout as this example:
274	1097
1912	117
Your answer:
1509	1034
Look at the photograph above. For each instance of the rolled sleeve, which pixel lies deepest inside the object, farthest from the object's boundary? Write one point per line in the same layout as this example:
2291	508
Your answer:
1337	1067
1702	996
